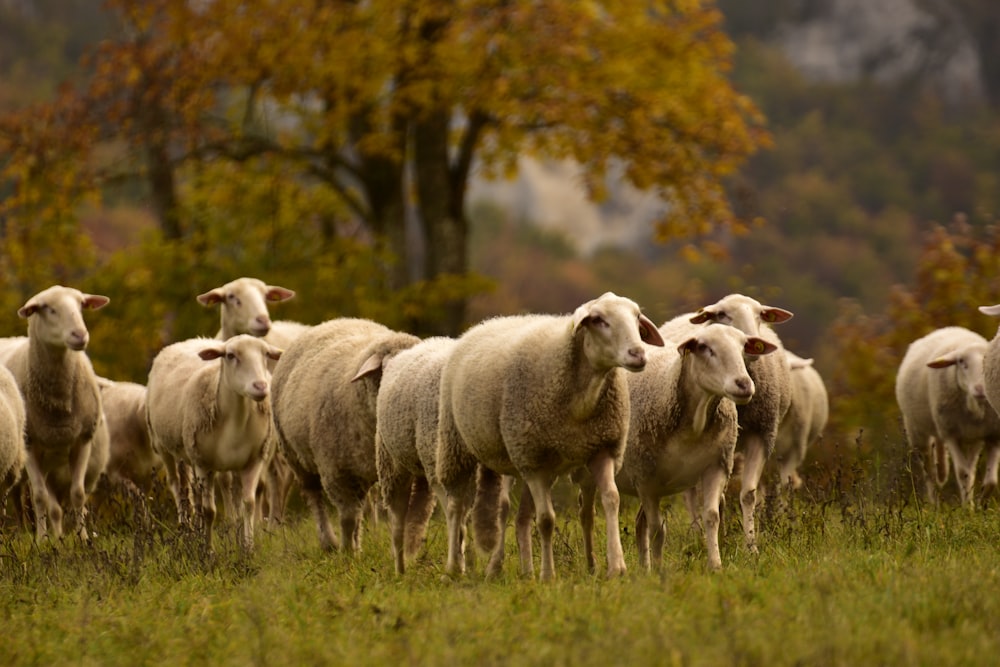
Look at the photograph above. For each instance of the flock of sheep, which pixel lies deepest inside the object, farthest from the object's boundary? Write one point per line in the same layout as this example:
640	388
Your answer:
601	395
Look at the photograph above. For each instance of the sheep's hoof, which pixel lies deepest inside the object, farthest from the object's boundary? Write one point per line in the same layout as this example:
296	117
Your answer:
616	571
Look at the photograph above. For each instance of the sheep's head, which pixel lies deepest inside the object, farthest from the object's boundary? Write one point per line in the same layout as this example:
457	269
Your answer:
743	312
615	331
720	367
244	364
244	305
967	365
55	316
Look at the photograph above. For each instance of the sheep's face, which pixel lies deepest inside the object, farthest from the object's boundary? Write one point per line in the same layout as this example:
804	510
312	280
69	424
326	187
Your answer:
244	365
742	312
55	316
614	332
719	366
966	364
244	305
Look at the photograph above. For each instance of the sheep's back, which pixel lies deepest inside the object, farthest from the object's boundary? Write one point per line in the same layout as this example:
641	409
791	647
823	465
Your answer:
509	386
407	414
12	423
170	390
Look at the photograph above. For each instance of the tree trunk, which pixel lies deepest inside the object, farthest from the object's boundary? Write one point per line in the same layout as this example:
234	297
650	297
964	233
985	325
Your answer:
445	229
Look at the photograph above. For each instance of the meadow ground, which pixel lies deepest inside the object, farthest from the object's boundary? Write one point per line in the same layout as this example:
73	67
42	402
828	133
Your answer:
855	572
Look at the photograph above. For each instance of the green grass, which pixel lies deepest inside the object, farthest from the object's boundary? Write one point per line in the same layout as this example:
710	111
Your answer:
846	575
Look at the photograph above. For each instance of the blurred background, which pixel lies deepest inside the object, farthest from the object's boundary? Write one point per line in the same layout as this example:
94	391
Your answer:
429	164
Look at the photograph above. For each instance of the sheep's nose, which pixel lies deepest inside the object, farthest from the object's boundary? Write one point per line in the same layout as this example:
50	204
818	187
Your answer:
979	391
636	358
744	390
260	390
78	339
262	325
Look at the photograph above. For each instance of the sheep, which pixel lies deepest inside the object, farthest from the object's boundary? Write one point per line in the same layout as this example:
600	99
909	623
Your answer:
406	441
243	310
65	433
537	396
132	460
760	418
682	432
804	422
244	307
941	392
12	423
215	417
325	392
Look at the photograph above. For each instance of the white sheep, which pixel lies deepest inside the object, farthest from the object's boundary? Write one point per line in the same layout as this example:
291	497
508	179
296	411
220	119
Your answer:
132	460
760	418
406	441
991	382
682	432
941	392
12	422
537	396
325	392
216	417
804	422
243	310
65	433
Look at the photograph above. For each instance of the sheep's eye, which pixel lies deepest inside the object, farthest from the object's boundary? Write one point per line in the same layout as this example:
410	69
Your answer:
598	321
233	299
230	356
48	310
705	350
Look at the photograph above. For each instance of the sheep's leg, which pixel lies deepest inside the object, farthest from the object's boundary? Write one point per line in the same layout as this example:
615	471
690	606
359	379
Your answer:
540	485
418	514
230	496
990	473
185	494
713	483
602	467
312	489
588	493
525	514
642	537
691	502
965	470
249	479
753	467
397	495
351	511
79	457
173	482
279	486
47	511
205	482
494	567
455	509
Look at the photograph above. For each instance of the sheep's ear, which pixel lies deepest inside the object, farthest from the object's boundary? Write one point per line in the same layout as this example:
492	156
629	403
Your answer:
372	364
648	332
580	316
773	315
28	309
758	346
275	293
942	362
212	297
690	345
274	353
210	353
992	311
95	301
703	315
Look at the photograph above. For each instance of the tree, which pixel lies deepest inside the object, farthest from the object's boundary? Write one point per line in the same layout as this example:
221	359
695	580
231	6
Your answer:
392	105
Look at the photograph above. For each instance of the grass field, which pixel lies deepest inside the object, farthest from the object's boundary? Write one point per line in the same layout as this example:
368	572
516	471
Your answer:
850	573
